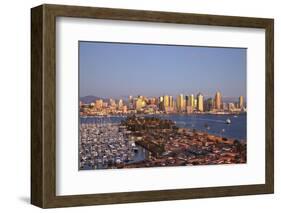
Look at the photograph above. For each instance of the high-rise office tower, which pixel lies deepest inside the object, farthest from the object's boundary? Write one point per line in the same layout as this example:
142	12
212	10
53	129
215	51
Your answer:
218	101
171	101
241	102
130	99
161	102
209	104
139	104
112	102
120	103
180	102
166	101
191	100
186	100
200	102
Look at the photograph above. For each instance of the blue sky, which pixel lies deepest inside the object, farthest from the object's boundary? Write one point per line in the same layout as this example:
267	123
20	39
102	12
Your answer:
118	70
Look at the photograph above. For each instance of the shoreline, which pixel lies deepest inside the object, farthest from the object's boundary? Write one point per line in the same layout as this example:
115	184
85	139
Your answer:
159	114
179	123
164	143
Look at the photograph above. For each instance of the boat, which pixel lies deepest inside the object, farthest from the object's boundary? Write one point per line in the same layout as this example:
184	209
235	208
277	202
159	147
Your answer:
207	126
228	121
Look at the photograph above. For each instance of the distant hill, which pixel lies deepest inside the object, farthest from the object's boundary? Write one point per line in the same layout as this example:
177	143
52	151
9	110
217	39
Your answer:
91	98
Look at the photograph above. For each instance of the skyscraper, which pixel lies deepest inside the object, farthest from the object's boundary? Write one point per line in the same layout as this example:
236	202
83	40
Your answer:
171	101
166	101
209	104
131	100
218	101
200	102
186	100
161	103
241	102
139	104
112	102
191	100
180	102
120	103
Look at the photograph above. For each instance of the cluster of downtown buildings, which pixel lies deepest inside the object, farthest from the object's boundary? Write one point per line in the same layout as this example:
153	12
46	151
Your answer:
163	104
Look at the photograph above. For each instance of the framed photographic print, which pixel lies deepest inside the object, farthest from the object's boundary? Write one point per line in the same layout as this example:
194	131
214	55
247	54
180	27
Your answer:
136	106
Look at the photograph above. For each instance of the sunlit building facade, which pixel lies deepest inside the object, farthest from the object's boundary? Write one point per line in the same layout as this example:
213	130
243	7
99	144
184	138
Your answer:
200	102
180	102
218	101
241	102
99	104
191	101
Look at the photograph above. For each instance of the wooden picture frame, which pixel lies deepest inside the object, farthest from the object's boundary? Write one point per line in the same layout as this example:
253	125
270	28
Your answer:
43	105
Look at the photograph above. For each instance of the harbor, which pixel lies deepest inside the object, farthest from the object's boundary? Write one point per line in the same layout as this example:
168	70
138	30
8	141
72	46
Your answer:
107	145
137	141
212	124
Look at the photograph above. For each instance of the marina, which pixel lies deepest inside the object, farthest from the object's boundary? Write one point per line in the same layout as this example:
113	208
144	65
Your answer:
147	141
106	145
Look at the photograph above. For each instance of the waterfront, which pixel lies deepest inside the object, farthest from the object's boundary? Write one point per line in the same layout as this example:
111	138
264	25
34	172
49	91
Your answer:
212	124
105	145
161	105
161	140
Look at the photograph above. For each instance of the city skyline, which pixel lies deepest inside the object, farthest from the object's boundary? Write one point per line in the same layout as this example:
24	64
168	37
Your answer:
157	70
125	98
182	104
161	105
